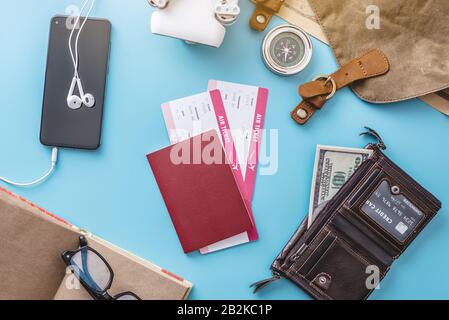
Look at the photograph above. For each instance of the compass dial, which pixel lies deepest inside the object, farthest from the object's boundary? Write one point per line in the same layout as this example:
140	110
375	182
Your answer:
287	49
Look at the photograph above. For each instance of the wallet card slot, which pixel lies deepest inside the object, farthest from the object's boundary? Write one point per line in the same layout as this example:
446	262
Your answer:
340	272
410	188
353	218
319	251
393	210
391	207
362	241
429	200
363	188
302	248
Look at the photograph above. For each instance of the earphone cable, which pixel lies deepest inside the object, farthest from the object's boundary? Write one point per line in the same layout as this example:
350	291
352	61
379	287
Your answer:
79	33
54	160
72	55
75	56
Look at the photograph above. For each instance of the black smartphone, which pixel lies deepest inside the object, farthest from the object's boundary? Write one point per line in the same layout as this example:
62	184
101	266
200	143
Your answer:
62	126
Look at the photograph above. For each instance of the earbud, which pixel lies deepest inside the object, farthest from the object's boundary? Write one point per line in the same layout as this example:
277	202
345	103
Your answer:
87	99
73	101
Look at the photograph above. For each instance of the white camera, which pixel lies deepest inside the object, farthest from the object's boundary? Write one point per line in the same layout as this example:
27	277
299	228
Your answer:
194	21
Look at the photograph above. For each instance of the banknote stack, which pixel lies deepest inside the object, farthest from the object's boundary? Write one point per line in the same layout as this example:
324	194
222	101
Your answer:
333	167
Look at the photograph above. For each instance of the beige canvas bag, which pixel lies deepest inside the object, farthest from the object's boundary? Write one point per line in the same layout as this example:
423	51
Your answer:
414	35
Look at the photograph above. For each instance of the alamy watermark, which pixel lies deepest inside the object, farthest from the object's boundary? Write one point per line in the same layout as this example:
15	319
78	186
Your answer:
72	12
372	22
245	149
373	280
71	281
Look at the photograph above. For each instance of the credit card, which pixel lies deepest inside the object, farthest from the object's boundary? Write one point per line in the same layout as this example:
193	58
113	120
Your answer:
396	214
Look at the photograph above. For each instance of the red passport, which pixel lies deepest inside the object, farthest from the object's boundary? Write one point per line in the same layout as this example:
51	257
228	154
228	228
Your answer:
200	191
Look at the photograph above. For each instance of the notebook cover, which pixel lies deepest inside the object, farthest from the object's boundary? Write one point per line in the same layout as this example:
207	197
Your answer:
133	273
31	267
202	198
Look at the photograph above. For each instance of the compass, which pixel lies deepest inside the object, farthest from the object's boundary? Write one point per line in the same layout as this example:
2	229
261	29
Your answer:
287	50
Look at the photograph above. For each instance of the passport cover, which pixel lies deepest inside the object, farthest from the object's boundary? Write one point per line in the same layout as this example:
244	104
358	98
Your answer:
200	113
202	198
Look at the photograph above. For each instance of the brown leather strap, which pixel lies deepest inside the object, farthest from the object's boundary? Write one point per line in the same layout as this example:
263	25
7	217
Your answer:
315	94
265	9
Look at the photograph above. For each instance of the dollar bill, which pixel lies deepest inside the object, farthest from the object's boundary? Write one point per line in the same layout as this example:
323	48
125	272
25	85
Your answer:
333	167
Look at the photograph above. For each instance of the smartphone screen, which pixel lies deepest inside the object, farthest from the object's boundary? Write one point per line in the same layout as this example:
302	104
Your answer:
62	126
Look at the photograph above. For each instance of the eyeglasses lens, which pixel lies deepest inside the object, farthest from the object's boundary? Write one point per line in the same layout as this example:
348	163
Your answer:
126	297
91	269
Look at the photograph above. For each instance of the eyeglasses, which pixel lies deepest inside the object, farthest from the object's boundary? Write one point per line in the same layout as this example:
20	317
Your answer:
94	272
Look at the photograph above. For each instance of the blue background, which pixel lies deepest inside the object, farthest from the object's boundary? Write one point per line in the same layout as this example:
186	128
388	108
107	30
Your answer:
112	192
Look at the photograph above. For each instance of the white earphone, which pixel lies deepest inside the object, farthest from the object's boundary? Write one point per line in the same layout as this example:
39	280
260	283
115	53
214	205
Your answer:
226	11
74	101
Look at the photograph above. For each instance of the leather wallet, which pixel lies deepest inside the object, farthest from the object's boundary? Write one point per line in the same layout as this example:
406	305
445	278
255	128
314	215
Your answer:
366	226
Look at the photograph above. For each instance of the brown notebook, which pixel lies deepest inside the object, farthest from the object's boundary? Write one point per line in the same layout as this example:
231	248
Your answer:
31	267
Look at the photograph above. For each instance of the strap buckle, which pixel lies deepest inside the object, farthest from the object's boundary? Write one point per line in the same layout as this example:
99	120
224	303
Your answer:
328	79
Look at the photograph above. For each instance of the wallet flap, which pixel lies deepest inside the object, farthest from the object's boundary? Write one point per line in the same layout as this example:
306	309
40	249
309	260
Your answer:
391	204
359	233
